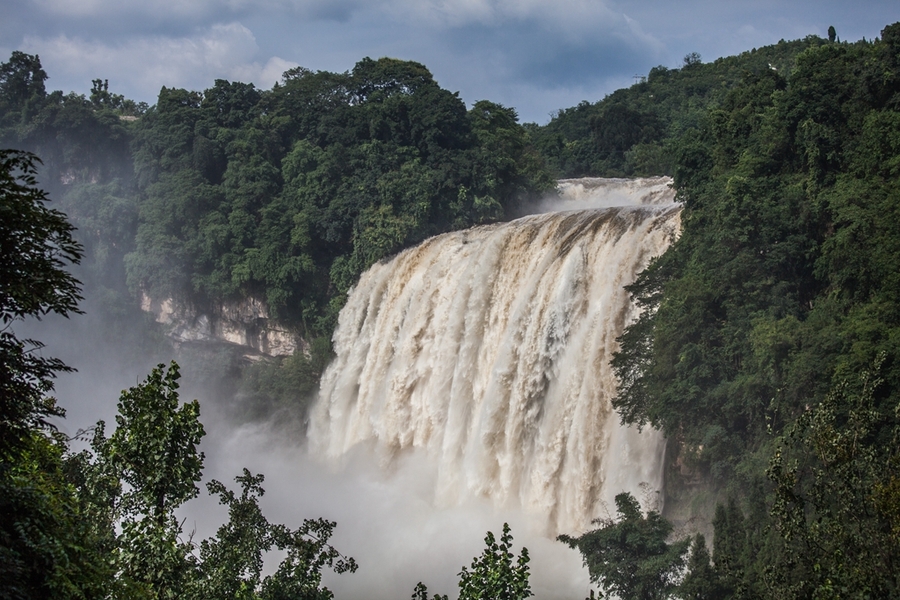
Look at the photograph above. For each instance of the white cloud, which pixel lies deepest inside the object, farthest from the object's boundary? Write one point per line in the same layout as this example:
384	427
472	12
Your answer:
140	66
191	10
561	14
105	8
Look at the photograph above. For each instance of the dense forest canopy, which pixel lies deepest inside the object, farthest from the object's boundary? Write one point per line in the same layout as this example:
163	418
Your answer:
771	339
283	195
286	194
768	350
634	131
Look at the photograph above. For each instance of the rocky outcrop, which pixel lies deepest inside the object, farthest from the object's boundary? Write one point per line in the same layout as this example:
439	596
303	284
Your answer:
245	323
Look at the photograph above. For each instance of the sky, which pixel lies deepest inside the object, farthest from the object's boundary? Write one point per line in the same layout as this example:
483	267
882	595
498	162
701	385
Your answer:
538	56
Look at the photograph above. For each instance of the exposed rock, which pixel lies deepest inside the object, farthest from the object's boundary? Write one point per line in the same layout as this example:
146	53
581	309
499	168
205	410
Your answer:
245	323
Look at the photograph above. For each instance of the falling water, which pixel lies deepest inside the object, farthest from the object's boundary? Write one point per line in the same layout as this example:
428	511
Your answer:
488	350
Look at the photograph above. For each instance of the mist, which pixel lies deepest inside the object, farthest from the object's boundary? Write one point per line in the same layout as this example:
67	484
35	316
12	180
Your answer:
386	519
588	193
386	506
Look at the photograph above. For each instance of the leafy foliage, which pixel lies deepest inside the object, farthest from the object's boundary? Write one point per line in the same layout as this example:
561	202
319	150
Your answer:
701	582
836	496
137	478
497	574
746	313
636	131
231	563
421	593
153	455
779	290
44	545
273	386
629	558
154	446
21	88
289	194
47	547
36	244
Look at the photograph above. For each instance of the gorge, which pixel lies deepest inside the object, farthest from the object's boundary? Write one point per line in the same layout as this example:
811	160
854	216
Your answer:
471	386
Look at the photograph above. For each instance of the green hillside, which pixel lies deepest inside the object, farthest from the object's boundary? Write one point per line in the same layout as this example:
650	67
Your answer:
770	348
633	131
285	194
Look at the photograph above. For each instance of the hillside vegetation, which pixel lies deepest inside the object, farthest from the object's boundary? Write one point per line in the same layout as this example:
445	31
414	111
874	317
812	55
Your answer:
770	347
634	131
285	194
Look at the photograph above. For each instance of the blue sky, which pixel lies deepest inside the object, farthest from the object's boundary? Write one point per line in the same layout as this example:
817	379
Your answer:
535	55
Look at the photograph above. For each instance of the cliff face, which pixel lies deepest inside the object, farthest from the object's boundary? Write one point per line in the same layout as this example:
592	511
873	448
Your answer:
245	323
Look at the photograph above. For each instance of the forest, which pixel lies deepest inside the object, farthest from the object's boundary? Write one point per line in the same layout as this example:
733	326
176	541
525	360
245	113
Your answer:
767	351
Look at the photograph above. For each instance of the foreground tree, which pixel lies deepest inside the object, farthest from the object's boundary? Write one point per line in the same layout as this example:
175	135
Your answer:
153	456
837	496
702	581
497	574
420	592
231	562
629	558
36	244
148	468
44	545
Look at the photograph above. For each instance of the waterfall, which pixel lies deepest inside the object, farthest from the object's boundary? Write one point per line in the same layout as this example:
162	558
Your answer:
488	351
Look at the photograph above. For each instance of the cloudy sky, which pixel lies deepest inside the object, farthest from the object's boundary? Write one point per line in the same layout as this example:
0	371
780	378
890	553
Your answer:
535	55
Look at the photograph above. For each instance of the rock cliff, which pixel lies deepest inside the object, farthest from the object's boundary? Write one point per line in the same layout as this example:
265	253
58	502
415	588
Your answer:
245	323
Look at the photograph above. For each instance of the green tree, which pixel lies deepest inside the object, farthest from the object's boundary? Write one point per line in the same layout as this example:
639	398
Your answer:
421	593
22	89
48	545
497	574
153	452
692	59
836	504
731	549
149	467
45	544
701	581
231	562
36	244
629	558
288	195
636	131
299	575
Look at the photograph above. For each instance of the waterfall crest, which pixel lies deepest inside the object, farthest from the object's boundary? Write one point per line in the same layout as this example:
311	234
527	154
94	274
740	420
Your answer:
488	349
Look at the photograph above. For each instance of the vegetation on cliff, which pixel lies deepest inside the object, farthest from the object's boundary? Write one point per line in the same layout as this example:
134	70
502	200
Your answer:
634	131
769	347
